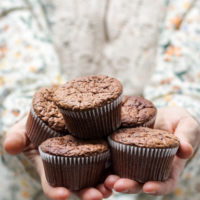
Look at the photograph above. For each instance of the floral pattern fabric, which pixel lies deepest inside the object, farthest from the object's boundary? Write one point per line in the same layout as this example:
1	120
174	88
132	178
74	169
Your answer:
32	54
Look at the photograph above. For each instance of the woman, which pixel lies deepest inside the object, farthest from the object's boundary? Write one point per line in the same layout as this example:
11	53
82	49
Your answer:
117	38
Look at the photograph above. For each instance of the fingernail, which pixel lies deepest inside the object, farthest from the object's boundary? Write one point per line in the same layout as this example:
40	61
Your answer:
151	192
125	191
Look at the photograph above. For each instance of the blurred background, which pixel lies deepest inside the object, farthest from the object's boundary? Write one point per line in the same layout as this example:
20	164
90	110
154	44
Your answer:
151	46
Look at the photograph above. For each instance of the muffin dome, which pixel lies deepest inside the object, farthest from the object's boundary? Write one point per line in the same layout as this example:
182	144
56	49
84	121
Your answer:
137	111
70	146
145	137
87	93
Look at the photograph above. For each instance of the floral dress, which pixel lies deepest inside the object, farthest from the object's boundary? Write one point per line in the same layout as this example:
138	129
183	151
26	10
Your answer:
152	46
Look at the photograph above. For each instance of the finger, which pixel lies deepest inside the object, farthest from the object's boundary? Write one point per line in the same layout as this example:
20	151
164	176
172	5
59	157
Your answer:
128	186
58	193
162	188
89	194
106	192
185	150
110	181
167	120
16	138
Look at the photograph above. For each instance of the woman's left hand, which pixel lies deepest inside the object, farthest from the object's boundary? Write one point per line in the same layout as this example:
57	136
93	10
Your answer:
186	128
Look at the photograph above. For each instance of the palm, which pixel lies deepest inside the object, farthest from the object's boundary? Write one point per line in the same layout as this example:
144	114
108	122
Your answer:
31	153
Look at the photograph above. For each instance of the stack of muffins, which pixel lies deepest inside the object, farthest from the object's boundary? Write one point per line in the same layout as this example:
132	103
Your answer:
77	124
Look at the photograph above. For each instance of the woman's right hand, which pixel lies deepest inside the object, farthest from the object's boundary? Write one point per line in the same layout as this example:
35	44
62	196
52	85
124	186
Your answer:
17	142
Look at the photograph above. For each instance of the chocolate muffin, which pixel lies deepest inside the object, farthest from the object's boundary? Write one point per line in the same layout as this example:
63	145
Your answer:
143	154
74	163
45	120
91	105
137	111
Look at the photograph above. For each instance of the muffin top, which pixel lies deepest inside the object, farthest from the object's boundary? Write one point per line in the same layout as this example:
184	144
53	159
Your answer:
136	111
145	137
70	146
47	111
87	92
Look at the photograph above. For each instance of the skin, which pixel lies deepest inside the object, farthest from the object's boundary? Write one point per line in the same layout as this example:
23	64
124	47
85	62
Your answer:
17	142
178	121
173	119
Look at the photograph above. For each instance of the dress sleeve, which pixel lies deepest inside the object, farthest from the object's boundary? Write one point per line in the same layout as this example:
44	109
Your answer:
176	78
28	60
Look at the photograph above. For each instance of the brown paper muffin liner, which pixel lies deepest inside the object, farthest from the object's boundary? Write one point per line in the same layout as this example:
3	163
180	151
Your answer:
74	173
141	164
150	123
37	131
95	123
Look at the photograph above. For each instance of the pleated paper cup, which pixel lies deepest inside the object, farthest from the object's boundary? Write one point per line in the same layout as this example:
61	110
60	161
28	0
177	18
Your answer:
149	124
74	173
95	123
141	164
37	130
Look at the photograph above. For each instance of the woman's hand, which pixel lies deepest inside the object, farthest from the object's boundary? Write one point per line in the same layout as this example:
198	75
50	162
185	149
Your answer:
186	128
17	142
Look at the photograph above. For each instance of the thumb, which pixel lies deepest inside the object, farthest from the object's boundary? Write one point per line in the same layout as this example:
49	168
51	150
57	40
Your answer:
185	150
16	138
188	133
59	193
